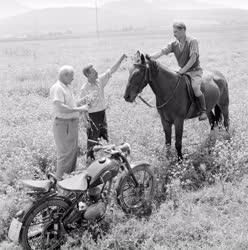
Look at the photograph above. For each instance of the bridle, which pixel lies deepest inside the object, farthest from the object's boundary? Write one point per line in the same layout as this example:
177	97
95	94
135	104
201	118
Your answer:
147	76
147	80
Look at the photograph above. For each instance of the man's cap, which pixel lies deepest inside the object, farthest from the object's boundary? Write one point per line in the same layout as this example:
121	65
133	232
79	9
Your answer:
179	25
86	70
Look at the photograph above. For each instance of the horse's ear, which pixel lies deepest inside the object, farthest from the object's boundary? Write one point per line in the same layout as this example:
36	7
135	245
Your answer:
136	57
143	60
148	57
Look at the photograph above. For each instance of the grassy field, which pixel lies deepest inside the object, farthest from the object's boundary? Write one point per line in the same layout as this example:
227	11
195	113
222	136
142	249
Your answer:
201	203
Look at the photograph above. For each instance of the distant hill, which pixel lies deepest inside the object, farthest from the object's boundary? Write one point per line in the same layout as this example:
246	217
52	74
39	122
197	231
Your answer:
119	16
159	4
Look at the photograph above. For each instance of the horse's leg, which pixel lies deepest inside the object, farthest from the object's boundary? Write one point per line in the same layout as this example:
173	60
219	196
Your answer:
167	130
218	115
179	135
211	118
225	111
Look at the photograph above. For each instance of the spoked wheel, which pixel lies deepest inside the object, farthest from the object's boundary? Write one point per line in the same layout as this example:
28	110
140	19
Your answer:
42	228
132	198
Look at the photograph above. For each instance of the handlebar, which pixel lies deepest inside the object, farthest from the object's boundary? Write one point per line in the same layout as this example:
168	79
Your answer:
106	148
111	148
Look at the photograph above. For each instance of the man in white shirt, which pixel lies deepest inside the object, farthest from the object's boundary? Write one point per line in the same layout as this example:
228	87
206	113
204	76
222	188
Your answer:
65	128
95	86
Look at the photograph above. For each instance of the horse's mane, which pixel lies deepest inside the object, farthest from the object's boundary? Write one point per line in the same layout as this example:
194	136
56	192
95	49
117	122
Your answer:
168	70
155	67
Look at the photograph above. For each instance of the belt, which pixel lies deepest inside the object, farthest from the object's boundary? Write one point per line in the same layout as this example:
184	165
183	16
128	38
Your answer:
64	119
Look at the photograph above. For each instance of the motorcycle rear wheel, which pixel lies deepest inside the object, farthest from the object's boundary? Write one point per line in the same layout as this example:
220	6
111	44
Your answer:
45	234
132	199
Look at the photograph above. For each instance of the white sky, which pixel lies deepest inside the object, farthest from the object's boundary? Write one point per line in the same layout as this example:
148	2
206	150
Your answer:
55	3
243	4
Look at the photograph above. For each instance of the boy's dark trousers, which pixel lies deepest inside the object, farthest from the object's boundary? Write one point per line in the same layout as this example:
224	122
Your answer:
97	130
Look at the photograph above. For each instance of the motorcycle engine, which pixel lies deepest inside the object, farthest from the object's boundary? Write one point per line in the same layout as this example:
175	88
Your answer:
97	208
94	194
92	207
95	211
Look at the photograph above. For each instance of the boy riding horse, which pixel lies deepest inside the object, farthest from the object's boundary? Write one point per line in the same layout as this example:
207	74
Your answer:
186	52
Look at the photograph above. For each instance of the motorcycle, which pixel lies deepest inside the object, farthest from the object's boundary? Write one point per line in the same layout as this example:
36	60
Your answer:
45	223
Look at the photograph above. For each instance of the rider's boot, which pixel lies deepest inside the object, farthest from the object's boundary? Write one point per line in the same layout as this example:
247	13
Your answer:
202	106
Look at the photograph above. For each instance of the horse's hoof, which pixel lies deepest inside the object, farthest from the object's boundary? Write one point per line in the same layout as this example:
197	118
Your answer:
228	134
168	152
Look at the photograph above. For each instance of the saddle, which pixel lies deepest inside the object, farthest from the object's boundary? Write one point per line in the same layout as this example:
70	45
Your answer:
193	109
75	183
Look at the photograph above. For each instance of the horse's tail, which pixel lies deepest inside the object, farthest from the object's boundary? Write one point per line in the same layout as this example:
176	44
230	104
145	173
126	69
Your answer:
222	107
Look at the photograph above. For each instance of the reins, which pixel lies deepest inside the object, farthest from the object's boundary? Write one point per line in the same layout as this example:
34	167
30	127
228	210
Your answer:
144	101
149	81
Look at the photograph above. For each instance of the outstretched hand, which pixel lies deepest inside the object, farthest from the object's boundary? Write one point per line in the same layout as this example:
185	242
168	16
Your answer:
124	56
83	108
117	64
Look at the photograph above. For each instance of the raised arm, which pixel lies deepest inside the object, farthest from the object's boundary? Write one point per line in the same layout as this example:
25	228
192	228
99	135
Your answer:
104	78
157	55
162	52
117	64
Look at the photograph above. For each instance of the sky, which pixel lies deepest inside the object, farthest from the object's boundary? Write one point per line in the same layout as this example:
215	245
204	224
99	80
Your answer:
58	3
243	4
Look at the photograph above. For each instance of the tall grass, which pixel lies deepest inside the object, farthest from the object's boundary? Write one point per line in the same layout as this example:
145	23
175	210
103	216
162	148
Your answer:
201	203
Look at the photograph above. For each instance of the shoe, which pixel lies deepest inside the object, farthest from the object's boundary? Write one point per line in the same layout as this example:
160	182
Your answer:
202	106
203	116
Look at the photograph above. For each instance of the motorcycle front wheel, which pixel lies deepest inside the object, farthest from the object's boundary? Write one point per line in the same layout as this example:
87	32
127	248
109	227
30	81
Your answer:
41	228
133	198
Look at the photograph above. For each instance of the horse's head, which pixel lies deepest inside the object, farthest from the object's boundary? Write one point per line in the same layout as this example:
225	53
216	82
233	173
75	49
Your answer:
138	78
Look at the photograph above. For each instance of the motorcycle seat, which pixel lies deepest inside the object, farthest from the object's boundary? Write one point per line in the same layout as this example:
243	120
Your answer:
38	185
75	183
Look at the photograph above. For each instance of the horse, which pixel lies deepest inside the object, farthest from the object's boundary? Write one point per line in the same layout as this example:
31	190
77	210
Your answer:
173	100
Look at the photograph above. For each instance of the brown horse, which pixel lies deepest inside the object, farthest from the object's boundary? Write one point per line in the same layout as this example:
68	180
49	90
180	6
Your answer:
173	100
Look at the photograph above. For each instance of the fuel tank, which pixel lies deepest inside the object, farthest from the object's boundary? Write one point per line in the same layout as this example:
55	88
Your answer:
102	170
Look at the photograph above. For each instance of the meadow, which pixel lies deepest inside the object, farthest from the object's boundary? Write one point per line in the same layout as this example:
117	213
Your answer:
201	203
